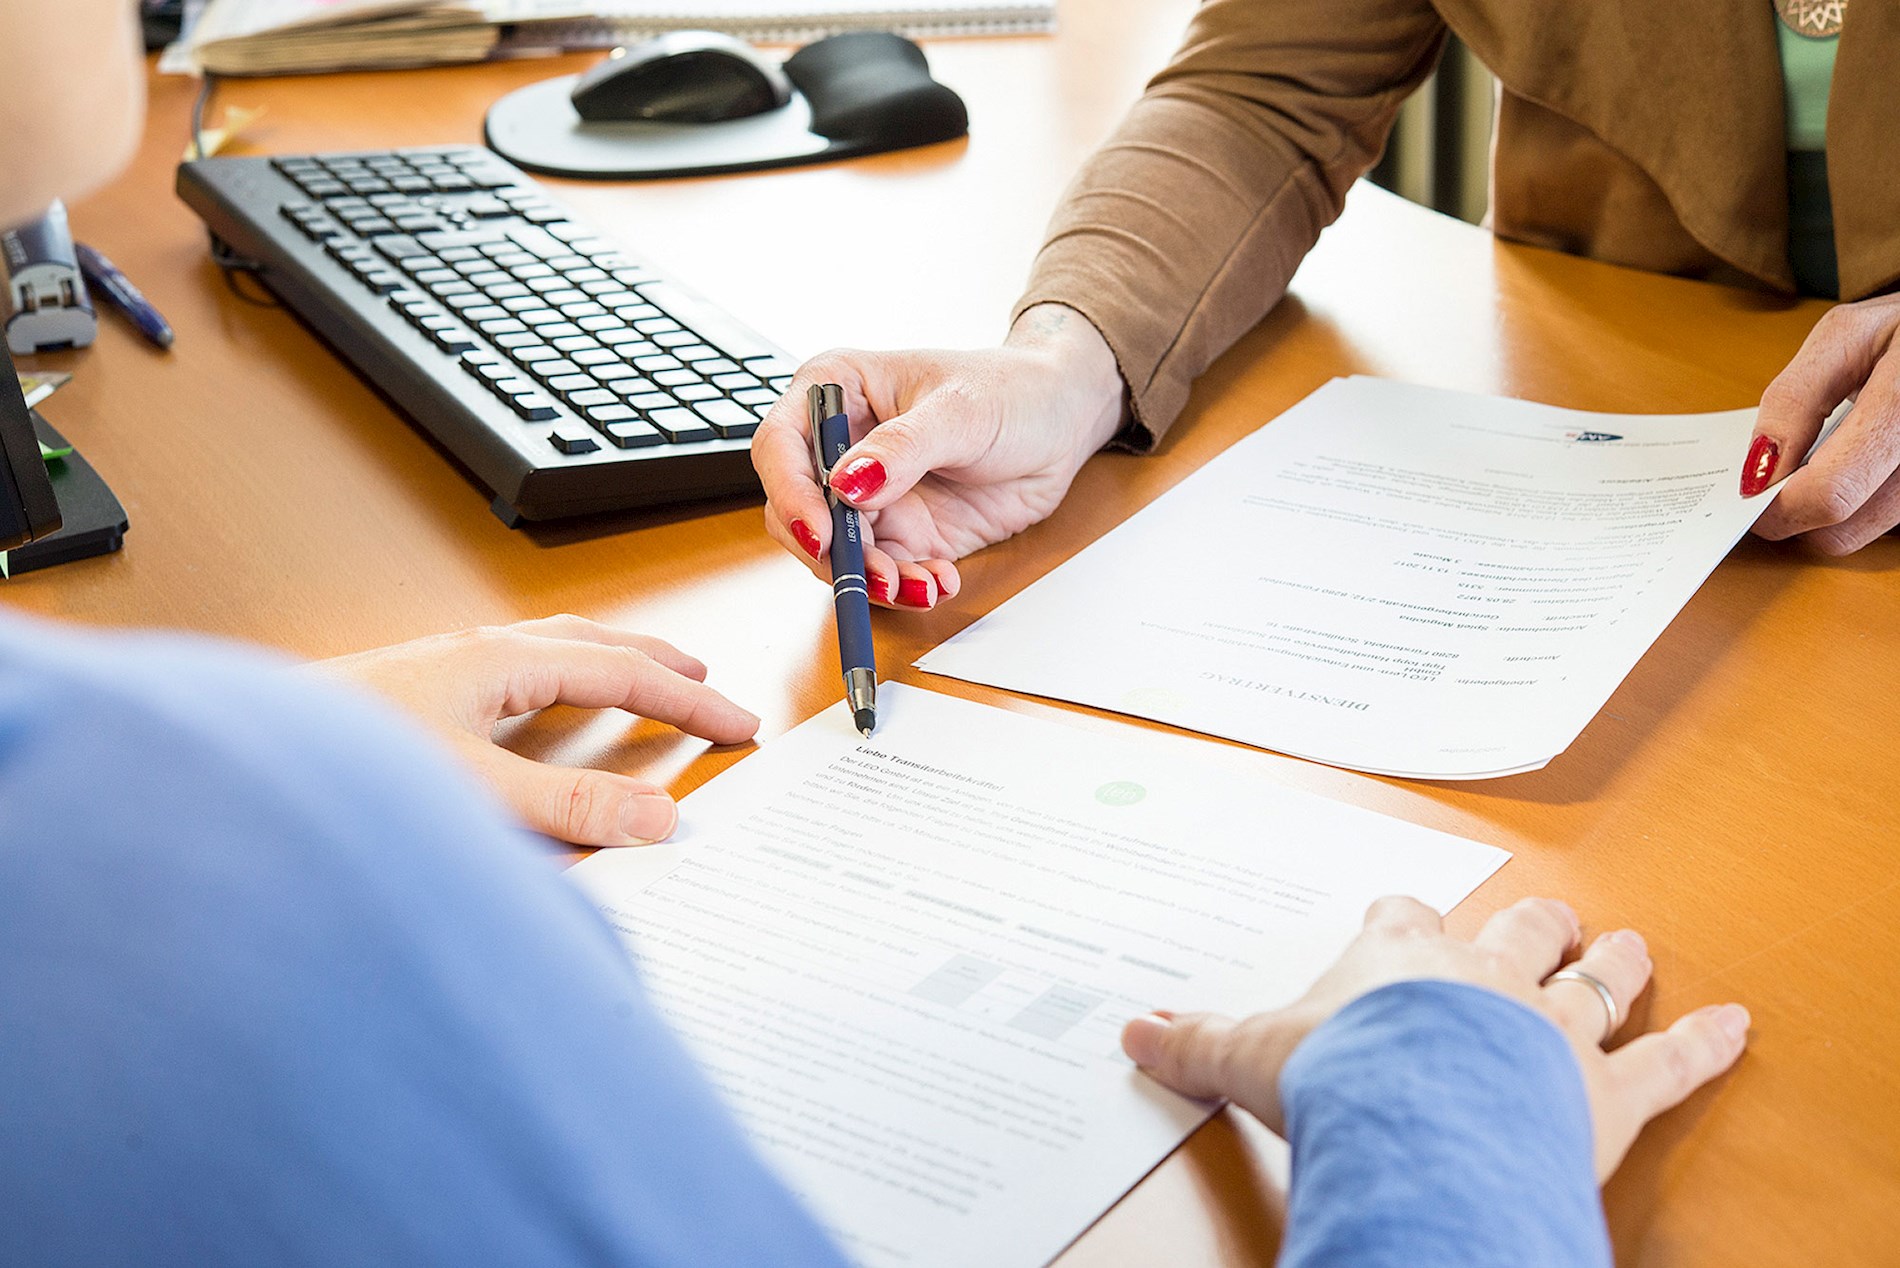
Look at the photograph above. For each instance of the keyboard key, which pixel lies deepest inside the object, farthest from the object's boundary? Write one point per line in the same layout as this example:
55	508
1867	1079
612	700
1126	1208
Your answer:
535	353
577	343
651	401
656	364
506	290
634	387
614	412
617	338
539	316
561	330
534	406
594	356
756	396
674	339
508	333
461	255
602	321
730	382
513	385
570	383
525	304
383	281
595	396
452	338
485	274
728	418
398	246
483	312
568	295
650	326
696	392
577	309
770	367
572	438
680	425
615	371
528	272
675	378
695	353
552	368
475	362
634	435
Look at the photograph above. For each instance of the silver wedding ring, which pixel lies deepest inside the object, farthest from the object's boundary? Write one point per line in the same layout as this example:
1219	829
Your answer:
1614	1017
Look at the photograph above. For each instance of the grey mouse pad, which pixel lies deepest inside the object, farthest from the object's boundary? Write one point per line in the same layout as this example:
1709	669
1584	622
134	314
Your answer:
536	128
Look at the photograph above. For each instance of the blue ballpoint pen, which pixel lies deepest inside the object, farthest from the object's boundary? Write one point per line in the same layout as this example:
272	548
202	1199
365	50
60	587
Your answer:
830	437
104	275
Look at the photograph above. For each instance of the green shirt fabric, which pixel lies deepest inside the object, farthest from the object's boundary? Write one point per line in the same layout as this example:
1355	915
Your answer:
1807	68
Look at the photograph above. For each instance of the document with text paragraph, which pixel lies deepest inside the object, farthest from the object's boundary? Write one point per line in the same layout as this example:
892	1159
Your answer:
905	961
1390	578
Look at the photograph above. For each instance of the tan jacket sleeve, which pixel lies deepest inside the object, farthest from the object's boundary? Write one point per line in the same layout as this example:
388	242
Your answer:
1182	231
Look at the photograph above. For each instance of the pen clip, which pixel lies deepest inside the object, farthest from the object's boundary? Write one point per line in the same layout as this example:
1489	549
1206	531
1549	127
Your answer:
823	401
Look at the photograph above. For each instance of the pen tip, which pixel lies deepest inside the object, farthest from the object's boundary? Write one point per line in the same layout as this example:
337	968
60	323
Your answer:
865	720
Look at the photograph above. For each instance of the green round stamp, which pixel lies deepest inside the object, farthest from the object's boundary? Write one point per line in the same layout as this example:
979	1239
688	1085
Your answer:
1120	792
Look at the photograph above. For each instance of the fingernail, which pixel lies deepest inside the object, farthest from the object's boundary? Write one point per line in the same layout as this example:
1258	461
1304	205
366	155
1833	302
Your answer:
1734	1021
806	538
1631	939
859	480
1759	469
1143	1036
913	592
880	586
647	818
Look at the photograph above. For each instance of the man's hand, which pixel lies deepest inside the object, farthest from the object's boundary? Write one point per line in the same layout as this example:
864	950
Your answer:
951	451
1205	1055
463	685
1850	493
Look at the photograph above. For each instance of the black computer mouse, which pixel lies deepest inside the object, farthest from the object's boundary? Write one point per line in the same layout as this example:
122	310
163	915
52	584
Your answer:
681	77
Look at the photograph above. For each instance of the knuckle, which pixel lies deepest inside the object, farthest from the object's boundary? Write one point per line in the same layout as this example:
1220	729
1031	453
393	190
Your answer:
1833	498
1835	541
1681	1074
587	807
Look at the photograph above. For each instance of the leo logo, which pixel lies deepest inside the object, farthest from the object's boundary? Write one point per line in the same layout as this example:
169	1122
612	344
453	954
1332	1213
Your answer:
1590	437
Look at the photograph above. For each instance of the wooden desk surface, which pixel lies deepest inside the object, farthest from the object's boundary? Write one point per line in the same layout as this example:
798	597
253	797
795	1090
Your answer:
1738	800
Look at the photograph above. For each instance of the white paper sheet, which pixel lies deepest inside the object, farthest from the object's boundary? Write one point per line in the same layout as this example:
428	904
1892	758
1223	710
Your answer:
906	960
1390	578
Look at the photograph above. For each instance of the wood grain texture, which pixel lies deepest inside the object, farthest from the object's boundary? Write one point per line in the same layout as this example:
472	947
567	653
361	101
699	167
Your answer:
1738	799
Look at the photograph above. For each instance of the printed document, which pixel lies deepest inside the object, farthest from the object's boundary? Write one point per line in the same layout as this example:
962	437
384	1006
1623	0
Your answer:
905	961
1390	578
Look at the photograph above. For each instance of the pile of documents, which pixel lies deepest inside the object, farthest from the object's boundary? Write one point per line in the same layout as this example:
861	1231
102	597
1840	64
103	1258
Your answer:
905	959
277	37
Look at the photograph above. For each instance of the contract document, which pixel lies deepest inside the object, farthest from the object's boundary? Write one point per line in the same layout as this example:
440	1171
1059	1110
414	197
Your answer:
1390	578
906	960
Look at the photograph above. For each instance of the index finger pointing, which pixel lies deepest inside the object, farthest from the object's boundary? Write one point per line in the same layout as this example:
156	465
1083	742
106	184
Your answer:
546	671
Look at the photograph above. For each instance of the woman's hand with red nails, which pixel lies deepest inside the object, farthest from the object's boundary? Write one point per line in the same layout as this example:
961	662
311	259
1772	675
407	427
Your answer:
1849	494
951	451
1204	1055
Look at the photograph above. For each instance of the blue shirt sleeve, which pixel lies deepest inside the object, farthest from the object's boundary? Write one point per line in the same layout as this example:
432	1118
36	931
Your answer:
278	985
1435	1123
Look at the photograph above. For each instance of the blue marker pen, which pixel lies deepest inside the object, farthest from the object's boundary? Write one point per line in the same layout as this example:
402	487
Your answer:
830	437
117	287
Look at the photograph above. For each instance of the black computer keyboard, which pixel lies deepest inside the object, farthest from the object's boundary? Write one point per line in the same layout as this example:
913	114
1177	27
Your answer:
567	373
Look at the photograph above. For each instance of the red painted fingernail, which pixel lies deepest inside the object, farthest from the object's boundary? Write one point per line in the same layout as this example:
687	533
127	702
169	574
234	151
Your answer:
1760	467
859	480
913	592
880	586
806	538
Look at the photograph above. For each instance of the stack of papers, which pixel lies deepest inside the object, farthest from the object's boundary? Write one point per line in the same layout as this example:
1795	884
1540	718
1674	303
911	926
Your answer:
1390	578
274	37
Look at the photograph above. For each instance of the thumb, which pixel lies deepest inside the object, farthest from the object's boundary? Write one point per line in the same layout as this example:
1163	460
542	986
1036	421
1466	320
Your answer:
933	435
1191	1053
586	807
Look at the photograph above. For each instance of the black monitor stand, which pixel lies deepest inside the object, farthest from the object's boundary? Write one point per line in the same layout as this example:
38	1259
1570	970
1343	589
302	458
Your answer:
52	510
